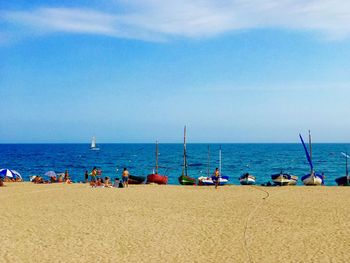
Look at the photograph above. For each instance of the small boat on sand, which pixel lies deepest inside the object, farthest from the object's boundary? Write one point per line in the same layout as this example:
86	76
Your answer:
204	180
210	180
344	180
247	179
184	179
282	179
312	178
155	177
133	179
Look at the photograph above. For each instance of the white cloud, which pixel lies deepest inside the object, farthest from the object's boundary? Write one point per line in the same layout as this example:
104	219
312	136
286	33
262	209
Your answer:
159	19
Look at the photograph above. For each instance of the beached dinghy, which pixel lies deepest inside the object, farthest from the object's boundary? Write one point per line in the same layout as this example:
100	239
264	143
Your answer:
204	180
344	180
282	179
184	179
133	179
247	179
155	177
312	178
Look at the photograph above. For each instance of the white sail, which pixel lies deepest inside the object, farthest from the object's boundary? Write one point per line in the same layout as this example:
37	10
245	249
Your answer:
93	142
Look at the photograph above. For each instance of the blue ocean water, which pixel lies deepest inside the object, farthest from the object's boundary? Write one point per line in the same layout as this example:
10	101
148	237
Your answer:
261	160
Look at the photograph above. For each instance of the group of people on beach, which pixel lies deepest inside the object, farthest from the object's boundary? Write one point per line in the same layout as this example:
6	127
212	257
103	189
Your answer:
98	181
7	179
61	178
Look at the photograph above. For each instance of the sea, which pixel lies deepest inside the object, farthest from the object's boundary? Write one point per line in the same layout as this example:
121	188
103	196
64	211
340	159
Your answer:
260	160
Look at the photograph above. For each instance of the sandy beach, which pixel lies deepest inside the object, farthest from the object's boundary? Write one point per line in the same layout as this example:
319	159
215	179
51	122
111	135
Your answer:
151	223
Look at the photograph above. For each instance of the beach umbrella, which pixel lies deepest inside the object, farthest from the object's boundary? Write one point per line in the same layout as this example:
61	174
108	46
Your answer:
50	174
10	173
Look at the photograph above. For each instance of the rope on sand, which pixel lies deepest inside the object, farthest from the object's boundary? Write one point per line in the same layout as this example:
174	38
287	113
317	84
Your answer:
248	219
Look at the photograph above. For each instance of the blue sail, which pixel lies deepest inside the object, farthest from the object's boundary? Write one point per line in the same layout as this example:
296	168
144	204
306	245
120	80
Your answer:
307	153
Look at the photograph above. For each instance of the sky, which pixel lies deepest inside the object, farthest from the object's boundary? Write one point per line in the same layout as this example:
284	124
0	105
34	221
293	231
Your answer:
240	71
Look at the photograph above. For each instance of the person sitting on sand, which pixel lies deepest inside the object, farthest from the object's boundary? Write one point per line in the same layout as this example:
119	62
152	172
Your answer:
66	176
38	180
53	179
125	178
99	182
107	182
1	182
116	183
68	181
60	178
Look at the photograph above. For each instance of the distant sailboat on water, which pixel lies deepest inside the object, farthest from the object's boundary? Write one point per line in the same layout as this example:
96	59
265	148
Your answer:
93	144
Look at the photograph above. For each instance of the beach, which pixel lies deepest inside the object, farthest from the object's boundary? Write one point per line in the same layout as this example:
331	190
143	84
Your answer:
154	223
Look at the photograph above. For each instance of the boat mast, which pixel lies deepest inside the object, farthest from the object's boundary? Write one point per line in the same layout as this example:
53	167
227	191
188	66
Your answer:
347	170
157	157
312	172
208	172
310	145
184	169
220	161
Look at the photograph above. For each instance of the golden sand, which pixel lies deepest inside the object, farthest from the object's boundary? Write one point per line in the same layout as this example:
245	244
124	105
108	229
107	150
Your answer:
151	223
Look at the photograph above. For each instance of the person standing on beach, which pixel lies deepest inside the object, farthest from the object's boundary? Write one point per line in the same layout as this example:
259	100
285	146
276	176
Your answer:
125	177
93	174
216	175
86	175
66	176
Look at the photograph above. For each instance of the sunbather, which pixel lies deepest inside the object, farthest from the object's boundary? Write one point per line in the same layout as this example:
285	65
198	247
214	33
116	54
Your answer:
38	180
107	182
53	179
99	182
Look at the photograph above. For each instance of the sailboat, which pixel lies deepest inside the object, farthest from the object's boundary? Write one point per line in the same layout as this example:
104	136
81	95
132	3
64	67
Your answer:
184	179
206	180
155	177
344	180
210	180
93	144
312	178
282	179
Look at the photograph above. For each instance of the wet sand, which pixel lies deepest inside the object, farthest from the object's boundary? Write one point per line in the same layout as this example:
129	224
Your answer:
151	223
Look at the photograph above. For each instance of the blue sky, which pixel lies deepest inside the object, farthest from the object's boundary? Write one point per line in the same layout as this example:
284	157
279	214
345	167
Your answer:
138	71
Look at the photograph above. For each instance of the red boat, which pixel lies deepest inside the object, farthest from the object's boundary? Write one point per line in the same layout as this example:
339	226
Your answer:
155	177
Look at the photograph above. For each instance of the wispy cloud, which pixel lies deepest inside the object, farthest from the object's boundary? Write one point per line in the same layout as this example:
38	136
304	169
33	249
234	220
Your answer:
158	19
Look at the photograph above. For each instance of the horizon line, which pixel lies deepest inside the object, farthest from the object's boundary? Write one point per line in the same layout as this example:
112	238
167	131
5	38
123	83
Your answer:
104	143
